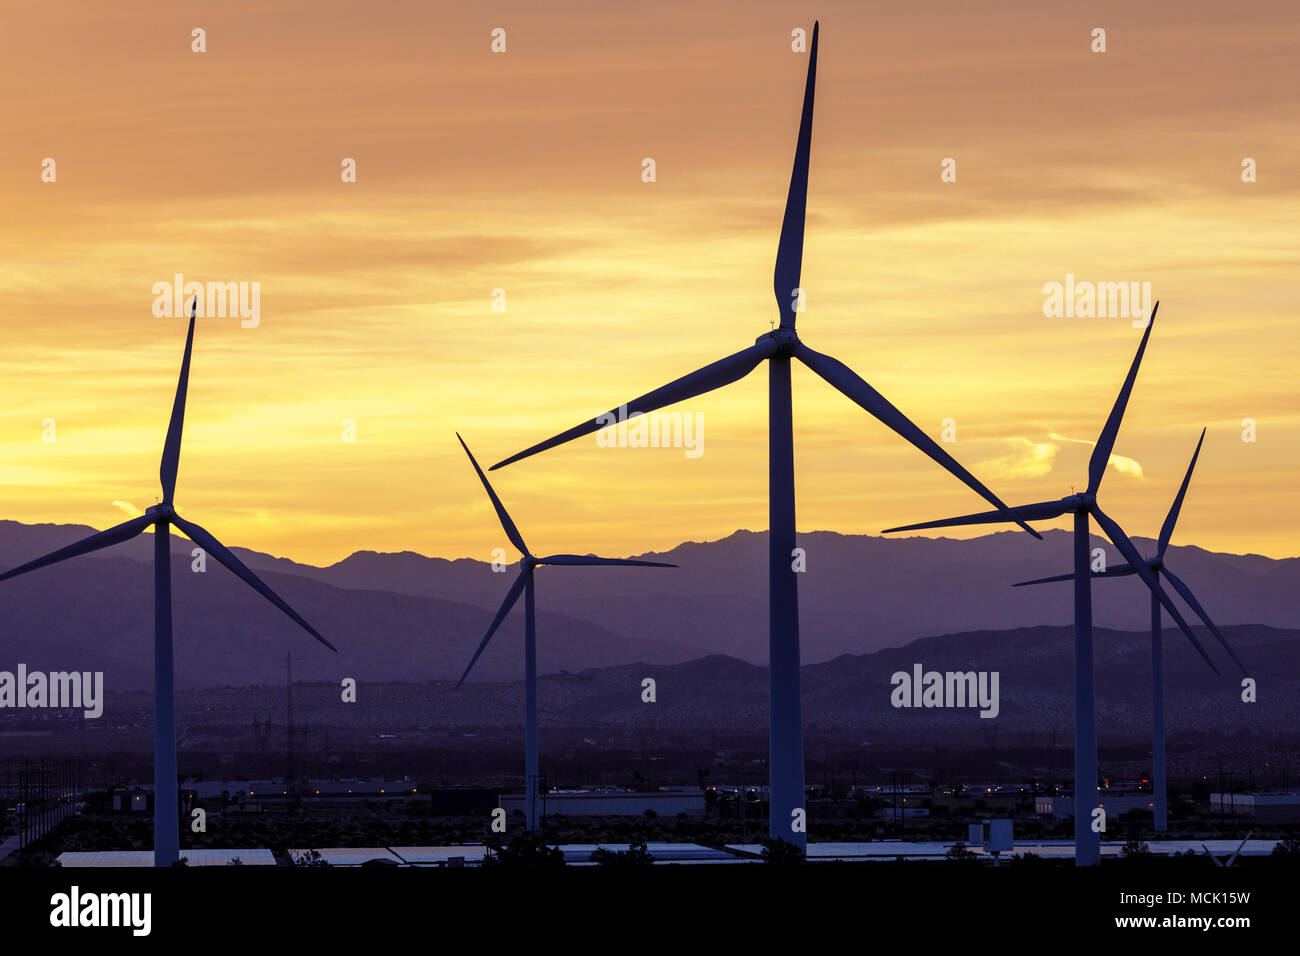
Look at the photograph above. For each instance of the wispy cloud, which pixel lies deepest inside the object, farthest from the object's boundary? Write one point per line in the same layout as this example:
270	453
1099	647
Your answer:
1122	464
131	510
1034	459
1027	459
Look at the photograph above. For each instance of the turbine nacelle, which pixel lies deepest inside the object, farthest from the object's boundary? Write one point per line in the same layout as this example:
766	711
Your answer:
786	341
163	511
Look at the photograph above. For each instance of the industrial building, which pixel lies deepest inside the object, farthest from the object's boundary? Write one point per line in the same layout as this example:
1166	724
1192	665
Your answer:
1264	807
1115	804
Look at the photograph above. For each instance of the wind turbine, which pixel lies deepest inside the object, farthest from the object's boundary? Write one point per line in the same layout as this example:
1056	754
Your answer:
523	584
1158	568
166	827
777	348
1087	843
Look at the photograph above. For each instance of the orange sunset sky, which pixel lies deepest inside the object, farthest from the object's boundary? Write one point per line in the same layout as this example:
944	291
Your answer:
522	171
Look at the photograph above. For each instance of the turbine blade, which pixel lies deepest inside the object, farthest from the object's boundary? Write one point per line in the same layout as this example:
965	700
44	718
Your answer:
1051	580
95	542
789	250
852	385
216	549
1126	548
1171	519
1040	511
1106	442
512	596
722	372
579	560
1186	593
511	531
1123	570
172	447
1241	846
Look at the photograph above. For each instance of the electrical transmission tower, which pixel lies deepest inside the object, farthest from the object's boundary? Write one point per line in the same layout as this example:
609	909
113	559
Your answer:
261	733
290	772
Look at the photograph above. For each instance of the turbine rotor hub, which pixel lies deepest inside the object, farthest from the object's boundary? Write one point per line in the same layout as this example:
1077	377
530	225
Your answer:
786	340
162	510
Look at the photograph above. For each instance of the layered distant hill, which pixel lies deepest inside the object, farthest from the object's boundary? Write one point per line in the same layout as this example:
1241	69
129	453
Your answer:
96	613
408	617
1035	667
850	693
